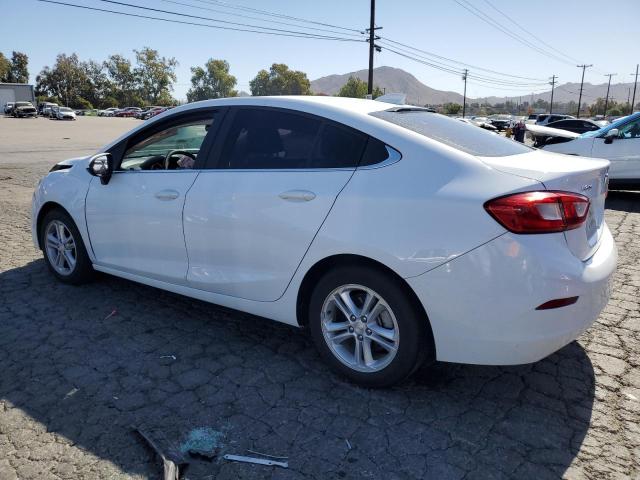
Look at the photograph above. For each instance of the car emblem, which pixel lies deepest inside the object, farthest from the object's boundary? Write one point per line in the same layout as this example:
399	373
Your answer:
586	187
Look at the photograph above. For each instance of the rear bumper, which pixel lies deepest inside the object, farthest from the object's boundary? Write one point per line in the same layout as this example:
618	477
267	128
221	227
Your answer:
482	305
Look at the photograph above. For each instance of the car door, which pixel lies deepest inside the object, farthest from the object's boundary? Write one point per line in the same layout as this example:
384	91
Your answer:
623	151
135	221
250	218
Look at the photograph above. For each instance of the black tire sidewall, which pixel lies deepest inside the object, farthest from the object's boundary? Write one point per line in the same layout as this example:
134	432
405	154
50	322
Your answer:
83	271
413	344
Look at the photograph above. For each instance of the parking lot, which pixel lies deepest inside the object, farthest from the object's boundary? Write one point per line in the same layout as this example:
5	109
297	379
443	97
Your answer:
79	366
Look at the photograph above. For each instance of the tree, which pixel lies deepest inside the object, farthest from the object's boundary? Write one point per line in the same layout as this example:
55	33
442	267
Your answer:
19	73
356	88
5	68
452	108
66	80
279	80
98	85
155	75
212	81
123	80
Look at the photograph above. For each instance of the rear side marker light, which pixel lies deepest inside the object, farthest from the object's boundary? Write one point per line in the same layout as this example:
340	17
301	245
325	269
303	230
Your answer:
539	212
557	303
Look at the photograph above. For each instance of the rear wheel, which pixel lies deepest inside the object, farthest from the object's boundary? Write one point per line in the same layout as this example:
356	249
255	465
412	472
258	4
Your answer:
63	248
366	326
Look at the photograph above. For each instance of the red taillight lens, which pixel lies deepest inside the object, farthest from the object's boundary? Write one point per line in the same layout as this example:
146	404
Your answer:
539	212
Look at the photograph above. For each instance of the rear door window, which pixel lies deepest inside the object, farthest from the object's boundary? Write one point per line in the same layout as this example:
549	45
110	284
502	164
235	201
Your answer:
270	138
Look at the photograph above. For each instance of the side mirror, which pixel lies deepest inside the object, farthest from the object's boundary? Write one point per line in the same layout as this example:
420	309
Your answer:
610	135
101	166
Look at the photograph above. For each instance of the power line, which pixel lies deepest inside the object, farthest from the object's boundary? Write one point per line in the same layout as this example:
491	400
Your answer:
218	27
456	70
197	17
250	17
274	14
528	32
457	61
487	19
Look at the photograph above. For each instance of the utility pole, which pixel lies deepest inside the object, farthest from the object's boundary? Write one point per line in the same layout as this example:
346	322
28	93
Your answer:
629	98
464	97
635	85
583	67
372	45
606	100
553	84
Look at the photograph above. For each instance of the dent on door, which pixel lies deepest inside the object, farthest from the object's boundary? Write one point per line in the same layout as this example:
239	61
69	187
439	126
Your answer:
247	231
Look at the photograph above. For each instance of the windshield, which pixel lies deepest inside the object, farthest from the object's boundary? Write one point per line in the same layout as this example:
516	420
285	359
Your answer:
459	135
63	109
23	104
617	124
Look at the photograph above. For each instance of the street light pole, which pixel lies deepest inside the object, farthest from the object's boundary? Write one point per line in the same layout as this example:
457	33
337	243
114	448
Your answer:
464	97
606	100
553	84
635	85
583	67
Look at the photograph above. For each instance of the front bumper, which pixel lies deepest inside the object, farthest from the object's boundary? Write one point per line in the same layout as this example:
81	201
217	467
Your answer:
482	305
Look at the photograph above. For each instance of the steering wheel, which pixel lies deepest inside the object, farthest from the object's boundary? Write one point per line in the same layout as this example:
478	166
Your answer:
154	163
173	153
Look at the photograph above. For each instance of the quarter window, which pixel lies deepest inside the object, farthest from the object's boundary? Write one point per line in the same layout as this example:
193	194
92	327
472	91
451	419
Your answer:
338	147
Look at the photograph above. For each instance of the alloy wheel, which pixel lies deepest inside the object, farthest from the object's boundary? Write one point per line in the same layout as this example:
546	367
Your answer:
61	247
360	328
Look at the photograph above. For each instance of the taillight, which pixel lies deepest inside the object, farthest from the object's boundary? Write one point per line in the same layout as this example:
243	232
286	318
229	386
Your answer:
539	212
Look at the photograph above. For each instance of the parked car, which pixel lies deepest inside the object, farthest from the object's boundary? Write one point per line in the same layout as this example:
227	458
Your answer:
531	118
108	112
501	122
484	122
545	119
378	227
8	107
24	110
618	142
577	125
43	106
127	112
153	112
64	113
141	114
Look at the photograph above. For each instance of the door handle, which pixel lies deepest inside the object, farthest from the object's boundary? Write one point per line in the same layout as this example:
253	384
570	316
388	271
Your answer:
297	195
167	195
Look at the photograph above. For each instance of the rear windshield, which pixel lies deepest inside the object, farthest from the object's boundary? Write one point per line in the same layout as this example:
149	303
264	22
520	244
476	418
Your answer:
462	136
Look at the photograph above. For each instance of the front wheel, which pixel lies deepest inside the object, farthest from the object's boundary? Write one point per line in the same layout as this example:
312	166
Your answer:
64	250
367	327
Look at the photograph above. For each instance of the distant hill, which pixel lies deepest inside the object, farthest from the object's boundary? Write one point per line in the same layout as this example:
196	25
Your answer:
396	80
393	80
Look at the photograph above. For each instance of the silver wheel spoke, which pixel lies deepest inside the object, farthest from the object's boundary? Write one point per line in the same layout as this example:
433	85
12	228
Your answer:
336	326
52	241
358	354
368	303
61	236
377	310
70	260
386	333
383	342
341	338
59	260
340	304
368	356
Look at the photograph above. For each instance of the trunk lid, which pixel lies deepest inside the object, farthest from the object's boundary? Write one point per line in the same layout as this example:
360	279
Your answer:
567	173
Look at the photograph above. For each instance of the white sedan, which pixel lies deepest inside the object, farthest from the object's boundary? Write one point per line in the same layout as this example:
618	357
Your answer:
618	142
396	235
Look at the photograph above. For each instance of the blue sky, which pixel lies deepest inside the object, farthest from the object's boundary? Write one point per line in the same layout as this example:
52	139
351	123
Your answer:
605	35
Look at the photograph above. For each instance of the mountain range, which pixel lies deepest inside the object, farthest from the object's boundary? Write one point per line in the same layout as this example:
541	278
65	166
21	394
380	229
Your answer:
397	80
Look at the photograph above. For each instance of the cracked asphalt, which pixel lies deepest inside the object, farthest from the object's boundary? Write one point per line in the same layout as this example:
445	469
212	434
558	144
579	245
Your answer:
80	365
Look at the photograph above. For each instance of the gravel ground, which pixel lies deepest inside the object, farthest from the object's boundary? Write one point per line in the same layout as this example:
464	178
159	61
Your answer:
80	365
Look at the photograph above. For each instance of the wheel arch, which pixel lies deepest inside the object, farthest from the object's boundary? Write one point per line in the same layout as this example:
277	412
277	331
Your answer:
46	208
326	264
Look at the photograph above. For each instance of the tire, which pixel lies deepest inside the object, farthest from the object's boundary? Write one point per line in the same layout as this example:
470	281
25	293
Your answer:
75	273
393	320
